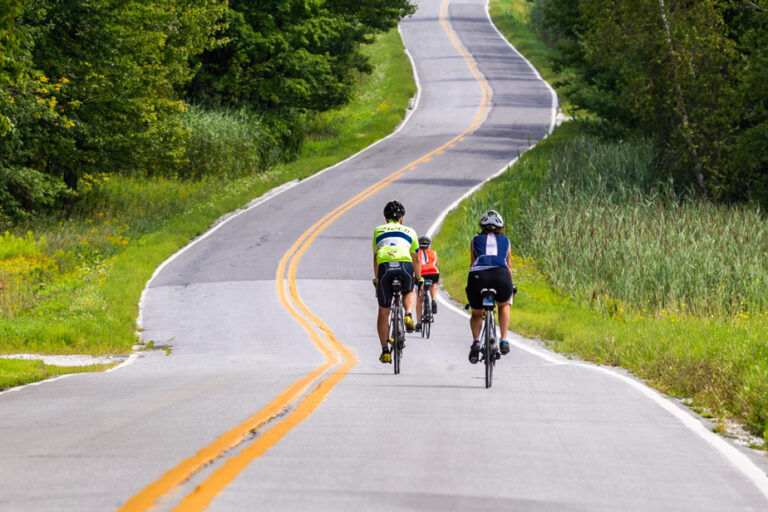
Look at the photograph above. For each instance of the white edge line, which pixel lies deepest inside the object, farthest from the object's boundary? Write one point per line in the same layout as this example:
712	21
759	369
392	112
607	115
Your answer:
125	363
739	460
19	388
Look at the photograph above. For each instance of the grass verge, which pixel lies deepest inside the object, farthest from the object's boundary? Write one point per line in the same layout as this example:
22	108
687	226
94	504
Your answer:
78	280
15	372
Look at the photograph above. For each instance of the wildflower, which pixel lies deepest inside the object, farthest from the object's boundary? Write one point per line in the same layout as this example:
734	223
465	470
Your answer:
43	79
63	80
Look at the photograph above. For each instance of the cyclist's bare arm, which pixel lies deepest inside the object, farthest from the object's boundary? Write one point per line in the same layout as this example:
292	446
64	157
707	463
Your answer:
416	265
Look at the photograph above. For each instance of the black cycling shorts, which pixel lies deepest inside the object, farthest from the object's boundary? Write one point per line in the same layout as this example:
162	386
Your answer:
387	272
497	278
431	277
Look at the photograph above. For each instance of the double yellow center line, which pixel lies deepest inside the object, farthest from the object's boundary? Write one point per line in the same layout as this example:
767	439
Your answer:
278	412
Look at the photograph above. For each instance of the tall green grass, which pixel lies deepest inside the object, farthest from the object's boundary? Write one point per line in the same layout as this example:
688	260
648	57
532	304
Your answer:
612	237
227	144
101	254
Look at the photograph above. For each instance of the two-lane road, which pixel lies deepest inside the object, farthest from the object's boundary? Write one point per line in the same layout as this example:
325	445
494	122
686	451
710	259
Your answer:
273	396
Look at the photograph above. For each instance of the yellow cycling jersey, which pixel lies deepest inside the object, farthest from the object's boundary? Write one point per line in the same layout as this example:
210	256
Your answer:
394	242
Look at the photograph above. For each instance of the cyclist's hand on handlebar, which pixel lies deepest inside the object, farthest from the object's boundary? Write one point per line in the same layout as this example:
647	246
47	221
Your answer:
375	282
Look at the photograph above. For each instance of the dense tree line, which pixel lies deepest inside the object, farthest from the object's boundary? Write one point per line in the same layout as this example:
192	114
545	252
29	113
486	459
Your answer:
99	86
690	75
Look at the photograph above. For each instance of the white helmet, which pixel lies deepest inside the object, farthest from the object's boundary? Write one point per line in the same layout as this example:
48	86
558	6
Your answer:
491	218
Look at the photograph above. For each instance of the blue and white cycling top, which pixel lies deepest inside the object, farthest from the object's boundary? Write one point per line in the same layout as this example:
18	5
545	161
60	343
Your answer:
490	251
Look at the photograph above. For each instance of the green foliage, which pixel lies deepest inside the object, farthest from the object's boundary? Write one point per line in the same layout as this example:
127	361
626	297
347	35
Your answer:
31	123
123	60
748	176
294	55
14	246
689	75
23	190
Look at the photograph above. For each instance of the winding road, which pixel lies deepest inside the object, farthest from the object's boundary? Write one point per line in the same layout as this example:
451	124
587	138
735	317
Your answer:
273	396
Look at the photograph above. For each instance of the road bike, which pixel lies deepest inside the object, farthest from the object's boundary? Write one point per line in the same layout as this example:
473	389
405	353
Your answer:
396	324
426	311
490	352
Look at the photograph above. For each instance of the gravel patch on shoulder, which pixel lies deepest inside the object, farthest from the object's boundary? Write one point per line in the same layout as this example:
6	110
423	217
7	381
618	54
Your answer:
70	360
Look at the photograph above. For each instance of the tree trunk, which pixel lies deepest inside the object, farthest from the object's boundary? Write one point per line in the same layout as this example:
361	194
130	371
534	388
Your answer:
681	102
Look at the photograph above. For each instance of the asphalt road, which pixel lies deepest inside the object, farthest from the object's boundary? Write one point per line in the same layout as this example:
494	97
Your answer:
273	396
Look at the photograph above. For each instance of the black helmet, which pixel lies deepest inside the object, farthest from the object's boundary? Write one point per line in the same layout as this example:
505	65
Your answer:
394	210
424	242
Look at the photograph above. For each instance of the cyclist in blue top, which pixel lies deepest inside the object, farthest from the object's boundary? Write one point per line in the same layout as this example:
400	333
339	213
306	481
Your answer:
489	269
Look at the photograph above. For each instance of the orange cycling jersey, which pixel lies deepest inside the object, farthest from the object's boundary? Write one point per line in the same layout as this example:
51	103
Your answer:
428	259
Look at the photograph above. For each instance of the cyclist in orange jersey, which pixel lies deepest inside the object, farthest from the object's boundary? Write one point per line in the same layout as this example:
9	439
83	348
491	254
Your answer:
429	271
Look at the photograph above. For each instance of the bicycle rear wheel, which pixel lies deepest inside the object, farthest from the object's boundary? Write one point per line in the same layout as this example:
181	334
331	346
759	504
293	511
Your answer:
490	353
399	333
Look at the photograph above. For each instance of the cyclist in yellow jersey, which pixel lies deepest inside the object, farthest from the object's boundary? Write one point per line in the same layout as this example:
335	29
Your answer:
395	254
